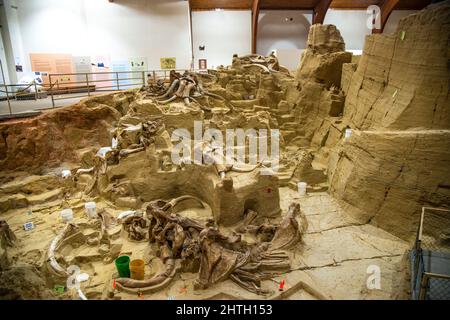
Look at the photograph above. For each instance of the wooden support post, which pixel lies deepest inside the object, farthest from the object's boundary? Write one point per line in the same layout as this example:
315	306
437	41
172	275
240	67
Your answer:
320	11
386	7
255	17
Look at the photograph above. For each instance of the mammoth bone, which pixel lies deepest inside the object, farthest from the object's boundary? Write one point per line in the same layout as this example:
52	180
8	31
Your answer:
184	242
7	237
186	87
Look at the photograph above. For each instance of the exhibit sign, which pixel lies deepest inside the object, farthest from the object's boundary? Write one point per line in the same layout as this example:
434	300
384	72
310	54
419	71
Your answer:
137	64
81	64
168	63
53	63
101	65
202	64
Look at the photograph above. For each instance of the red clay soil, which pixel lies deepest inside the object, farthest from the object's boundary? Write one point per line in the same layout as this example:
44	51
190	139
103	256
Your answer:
53	137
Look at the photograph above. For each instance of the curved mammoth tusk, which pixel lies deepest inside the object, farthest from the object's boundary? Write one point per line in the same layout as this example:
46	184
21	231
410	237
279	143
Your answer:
156	283
204	108
180	90
83	171
264	68
172	203
214	95
54	244
170	90
245	168
168	100
187	89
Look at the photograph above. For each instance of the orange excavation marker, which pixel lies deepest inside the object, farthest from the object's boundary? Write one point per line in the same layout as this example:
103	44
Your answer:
183	290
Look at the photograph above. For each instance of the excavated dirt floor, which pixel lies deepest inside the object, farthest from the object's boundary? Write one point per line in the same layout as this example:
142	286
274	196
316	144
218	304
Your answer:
369	135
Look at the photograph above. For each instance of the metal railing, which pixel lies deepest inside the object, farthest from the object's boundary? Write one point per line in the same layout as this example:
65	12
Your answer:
21	91
64	86
87	84
431	252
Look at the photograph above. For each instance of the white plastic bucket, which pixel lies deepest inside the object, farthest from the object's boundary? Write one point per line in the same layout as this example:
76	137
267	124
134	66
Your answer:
114	143
66	173
91	209
348	133
301	188
66	215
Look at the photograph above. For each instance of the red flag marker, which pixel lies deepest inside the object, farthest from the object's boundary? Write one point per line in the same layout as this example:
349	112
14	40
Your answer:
114	283
281	285
183	290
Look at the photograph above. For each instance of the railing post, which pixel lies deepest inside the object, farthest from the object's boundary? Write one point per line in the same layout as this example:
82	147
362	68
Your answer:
51	90
143	78
87	84
117	80
35	91
6	88
7	98
154	76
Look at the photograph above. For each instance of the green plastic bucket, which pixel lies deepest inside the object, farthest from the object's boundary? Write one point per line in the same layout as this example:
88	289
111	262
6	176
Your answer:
123	266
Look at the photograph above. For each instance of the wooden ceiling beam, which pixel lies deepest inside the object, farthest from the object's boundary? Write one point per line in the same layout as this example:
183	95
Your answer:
353	4
198	5
320	11
255	17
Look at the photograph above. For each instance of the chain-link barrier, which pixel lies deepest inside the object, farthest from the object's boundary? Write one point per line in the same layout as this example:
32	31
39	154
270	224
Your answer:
438	289
436	230
430	258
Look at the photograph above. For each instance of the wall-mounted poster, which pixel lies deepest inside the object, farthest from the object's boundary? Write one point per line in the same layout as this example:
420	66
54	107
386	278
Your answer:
168	63
138	64
82	64
202	65
52	64
101	64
